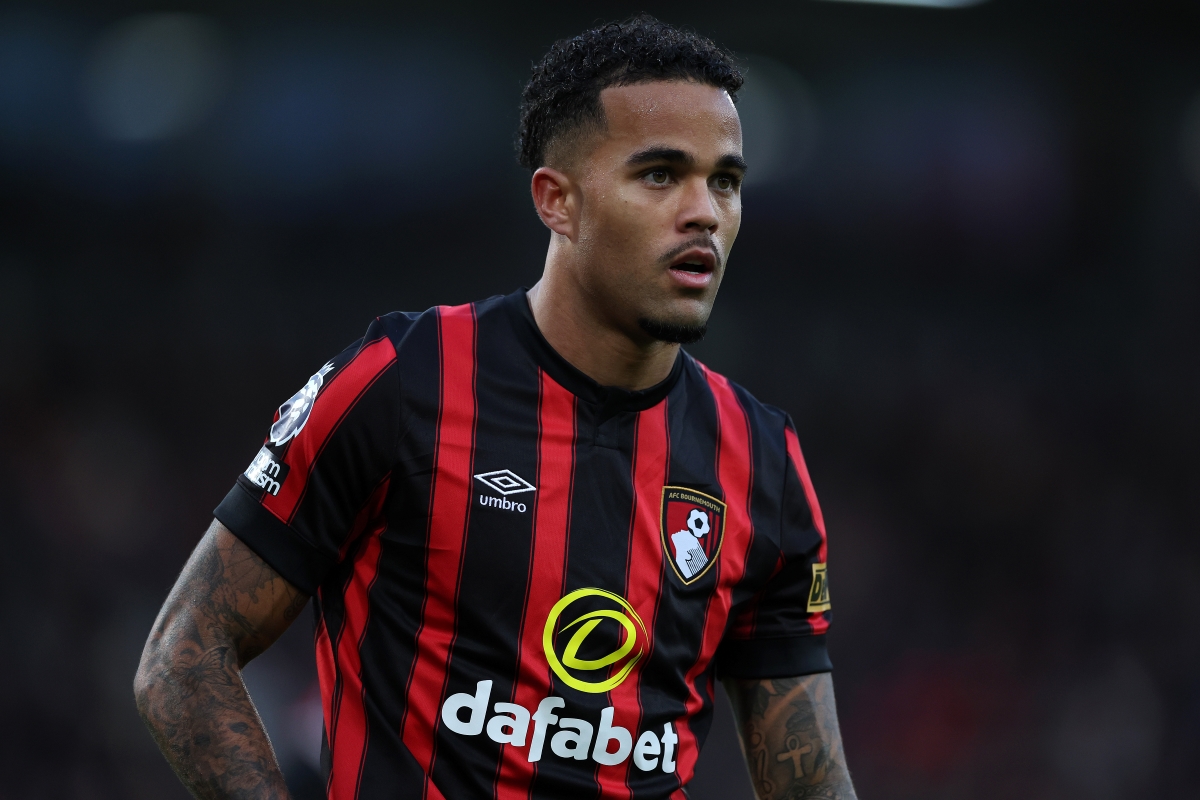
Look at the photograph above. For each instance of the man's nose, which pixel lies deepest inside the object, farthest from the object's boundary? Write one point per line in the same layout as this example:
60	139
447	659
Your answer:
698	211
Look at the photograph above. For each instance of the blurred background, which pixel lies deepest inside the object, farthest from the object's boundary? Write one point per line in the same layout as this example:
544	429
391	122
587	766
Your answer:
968	268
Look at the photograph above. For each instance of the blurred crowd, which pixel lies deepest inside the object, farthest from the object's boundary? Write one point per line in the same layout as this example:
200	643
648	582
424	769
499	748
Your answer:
968	268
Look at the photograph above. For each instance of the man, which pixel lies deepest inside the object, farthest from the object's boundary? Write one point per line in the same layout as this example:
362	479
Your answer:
533	528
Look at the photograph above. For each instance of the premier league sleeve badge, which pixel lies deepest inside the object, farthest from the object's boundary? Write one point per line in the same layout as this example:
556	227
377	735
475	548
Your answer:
693	526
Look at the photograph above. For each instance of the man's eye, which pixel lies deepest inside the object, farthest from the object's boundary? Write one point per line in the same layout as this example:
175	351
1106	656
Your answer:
659	176
724	183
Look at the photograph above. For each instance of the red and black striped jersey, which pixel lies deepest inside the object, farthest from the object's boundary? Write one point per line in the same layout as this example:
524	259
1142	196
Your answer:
525	582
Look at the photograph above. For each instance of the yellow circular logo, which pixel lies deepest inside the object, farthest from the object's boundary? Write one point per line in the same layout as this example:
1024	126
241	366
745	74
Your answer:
630	650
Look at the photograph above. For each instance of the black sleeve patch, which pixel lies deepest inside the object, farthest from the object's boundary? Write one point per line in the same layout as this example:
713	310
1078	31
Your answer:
784	657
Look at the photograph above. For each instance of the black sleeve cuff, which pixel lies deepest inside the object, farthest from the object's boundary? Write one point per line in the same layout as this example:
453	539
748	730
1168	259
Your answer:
773	658
288	553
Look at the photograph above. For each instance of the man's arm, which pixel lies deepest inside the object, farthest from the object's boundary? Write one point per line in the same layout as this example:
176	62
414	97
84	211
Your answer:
227	607
790	737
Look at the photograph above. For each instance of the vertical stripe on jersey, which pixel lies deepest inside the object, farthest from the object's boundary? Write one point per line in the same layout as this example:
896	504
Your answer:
601	506
557	434
644	575
331	406
340	676
348	745
450	512
735	473
818	619
326	675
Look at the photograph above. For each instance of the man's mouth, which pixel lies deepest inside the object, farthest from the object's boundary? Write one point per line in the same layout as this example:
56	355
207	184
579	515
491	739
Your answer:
697	260
694	268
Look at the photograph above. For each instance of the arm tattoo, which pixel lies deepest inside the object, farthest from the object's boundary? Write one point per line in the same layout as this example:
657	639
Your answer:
790	737
227	607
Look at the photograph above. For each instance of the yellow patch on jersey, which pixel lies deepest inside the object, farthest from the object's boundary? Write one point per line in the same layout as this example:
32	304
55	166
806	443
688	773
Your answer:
818	595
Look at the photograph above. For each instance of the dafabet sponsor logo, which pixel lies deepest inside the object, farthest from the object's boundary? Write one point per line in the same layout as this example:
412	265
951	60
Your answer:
577	624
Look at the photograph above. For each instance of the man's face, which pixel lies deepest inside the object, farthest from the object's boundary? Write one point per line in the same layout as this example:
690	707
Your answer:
660	206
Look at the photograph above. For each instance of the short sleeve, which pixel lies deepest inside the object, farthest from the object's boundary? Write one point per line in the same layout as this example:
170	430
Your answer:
329	450
780	631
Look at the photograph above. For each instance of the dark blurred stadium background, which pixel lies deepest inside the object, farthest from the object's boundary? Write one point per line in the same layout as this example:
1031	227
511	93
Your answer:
968	267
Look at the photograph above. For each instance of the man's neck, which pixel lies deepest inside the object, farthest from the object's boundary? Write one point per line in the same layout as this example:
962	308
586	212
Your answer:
572	325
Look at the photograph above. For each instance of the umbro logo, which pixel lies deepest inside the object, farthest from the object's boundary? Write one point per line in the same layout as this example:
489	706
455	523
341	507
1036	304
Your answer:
506	482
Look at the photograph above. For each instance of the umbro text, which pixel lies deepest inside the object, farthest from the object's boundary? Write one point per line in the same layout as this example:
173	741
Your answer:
502	503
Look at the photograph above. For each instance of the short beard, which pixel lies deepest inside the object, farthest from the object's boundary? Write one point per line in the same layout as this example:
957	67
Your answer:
671	332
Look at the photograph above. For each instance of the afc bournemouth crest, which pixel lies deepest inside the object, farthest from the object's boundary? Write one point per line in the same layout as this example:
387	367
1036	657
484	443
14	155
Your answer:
693	525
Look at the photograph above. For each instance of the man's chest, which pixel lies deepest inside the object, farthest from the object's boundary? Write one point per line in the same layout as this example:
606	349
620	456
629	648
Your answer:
543	488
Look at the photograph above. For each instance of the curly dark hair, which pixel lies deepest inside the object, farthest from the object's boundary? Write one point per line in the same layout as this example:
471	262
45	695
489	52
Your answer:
563	96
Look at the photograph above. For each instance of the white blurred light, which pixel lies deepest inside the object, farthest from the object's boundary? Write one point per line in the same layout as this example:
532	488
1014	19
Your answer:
779	121
923	3
1189	141
154	76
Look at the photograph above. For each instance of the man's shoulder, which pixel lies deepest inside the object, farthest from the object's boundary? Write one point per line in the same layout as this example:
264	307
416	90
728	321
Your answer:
399	326
764	417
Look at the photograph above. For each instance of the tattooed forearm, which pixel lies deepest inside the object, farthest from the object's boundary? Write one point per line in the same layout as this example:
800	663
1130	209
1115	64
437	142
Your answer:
226	608
790	736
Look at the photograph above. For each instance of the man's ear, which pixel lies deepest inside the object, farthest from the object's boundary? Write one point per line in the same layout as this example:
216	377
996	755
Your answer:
555	200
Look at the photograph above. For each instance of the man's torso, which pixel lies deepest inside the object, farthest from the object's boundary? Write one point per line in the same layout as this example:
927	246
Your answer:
514	532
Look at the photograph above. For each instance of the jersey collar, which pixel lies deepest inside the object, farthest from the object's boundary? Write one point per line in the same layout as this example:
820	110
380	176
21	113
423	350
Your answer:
611	399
